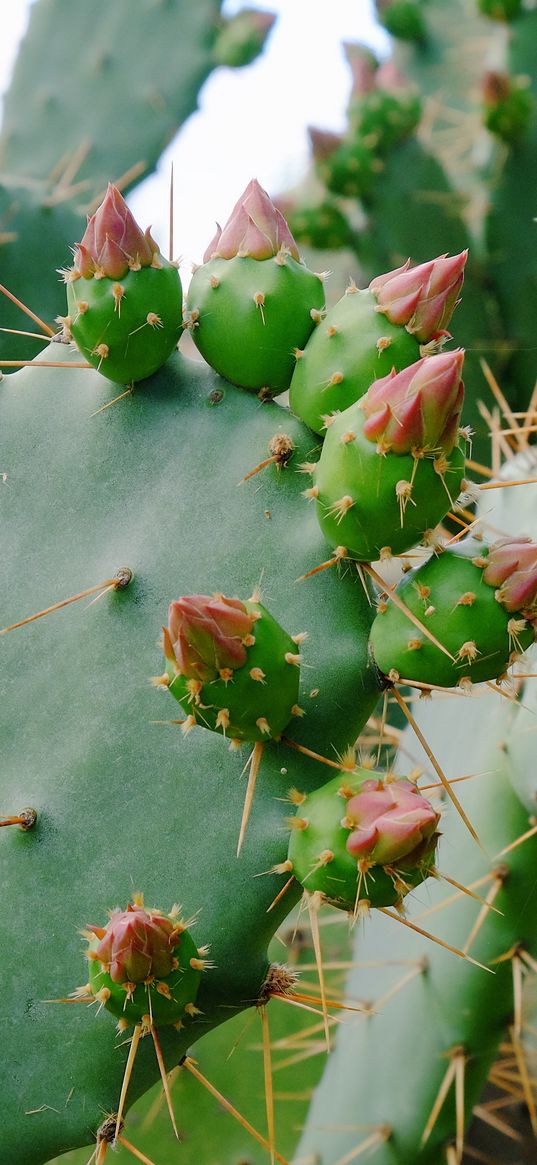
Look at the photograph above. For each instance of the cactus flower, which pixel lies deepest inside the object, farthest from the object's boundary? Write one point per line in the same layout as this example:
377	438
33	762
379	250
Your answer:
113	243
421	298
511	566
137	944
255	229
389	821
417	408
206	634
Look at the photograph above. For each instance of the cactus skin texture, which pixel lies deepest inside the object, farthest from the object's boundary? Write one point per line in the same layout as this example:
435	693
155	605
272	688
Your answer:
252	301
466	605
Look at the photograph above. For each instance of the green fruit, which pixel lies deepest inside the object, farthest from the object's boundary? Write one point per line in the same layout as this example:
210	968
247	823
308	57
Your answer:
451	598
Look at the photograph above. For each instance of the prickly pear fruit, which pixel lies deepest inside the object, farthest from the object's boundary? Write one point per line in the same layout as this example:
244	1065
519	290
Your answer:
403	19
385	112
391	467
124	298
479	601
370	332
242	37
231	666
363	839
508	105
144	963
501	9
349	168
253	301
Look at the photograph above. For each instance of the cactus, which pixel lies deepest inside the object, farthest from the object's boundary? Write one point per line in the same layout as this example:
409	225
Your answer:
105	780
182	494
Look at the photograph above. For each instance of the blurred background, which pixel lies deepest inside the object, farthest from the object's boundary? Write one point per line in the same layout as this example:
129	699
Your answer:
251	122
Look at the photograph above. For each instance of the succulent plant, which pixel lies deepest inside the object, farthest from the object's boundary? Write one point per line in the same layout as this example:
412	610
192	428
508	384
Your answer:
169	467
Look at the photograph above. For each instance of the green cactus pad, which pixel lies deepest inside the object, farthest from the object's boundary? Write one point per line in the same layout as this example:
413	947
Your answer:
449	596
322	863
165	1000
358	491
353	346
127	328
248	315
258	708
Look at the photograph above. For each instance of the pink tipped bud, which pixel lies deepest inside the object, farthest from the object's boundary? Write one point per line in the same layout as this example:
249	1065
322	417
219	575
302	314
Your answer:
324	143
113	242
137	944
417	408
421	298
512	568
391	821
205	634
363	65
255	229
390	78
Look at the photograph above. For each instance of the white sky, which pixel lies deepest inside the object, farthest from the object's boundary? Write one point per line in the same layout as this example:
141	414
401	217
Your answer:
252	122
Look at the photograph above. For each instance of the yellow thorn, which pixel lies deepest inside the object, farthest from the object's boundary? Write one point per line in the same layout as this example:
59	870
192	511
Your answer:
434	938
18	303
252	765
391	592
313	903
164	1078
121	580
189	1064
128	392
436	766
135	1040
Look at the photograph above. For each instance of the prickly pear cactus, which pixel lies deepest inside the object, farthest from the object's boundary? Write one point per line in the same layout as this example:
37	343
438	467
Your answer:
173	554
121	506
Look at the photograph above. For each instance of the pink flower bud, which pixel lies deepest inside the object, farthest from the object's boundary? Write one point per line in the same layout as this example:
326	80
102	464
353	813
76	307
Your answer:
421	298
205	633
137	944
391	820
113	242
324	142
255	229
512	568
363	66
417	408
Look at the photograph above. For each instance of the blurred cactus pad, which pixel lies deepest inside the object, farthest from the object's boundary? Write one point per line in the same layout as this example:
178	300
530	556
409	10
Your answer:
268	614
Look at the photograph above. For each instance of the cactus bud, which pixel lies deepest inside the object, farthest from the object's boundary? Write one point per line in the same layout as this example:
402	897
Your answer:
421	298
381	836
144	962
205	633
417	408
255	229
512	568
137	944
390	820
113	242
231	666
